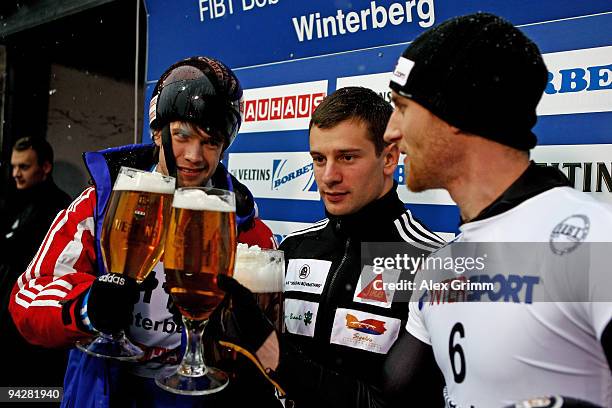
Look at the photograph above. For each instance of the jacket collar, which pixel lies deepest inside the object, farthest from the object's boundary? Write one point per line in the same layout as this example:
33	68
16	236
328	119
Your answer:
534	180
35	192
371	218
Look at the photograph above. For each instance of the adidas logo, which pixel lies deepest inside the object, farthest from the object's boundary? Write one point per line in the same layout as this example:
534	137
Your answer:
112	278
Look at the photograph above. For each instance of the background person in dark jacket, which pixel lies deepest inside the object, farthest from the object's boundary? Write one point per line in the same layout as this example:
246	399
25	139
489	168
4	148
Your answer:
25	218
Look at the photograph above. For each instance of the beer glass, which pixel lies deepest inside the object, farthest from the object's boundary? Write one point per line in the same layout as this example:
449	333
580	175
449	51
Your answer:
132	241
201	244
262	271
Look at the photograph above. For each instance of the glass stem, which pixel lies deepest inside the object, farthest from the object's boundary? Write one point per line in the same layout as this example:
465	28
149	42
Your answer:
112	336
193	360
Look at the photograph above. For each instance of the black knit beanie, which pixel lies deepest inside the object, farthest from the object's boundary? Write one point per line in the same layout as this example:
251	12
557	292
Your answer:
478	73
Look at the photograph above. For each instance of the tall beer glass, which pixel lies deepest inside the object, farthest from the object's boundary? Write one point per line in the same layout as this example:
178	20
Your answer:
262	271
201	244
132	241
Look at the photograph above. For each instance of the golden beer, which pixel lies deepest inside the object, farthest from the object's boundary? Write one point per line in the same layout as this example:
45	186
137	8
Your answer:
131	241
133	233
200	244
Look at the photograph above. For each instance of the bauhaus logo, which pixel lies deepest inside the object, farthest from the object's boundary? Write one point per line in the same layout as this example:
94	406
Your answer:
287	107
283	107
286	175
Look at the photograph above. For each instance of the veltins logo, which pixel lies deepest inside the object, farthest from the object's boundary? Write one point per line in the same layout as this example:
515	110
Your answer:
569	233
588	167
304	272
369	326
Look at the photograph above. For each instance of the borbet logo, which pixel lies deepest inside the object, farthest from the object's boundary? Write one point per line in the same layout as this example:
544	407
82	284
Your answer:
112	278
279	178
594	78
585	72
281	107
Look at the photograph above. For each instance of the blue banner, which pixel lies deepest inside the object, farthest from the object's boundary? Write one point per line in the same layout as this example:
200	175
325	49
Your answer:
288	55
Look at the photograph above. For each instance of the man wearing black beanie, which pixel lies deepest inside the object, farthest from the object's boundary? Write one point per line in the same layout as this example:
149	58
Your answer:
465	95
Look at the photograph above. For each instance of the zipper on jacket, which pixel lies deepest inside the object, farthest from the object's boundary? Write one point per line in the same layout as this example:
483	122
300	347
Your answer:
327	302
330	289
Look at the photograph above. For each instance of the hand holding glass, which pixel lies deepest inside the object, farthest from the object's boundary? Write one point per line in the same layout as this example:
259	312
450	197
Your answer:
132	241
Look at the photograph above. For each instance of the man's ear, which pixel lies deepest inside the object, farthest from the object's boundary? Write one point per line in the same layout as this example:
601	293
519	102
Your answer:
46	168
454	130
156	136
390	157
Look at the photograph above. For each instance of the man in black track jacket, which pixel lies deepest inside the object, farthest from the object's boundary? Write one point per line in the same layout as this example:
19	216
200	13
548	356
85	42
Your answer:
336	315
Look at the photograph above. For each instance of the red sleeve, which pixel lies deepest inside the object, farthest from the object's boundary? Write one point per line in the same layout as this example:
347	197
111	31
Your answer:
259	234
43	302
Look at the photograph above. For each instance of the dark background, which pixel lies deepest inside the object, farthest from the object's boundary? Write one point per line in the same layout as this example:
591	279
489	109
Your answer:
98	40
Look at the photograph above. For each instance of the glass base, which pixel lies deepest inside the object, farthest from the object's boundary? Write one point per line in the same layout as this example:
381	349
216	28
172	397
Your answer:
211	381
115	346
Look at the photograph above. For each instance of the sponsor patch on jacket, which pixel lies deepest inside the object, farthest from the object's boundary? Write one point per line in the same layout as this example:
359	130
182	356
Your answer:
300	316
306	275
402	71
374	289
365	331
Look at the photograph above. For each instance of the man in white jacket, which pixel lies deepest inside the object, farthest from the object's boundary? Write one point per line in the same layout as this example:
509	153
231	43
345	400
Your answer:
465	95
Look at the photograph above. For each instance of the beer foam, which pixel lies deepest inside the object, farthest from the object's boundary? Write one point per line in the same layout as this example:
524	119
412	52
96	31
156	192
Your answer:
195	199
143	181
255	269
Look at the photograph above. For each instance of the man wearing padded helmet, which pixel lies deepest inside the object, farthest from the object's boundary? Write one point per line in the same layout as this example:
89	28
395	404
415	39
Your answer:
194	117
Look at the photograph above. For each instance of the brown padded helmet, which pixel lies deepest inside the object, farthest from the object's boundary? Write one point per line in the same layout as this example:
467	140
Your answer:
202	91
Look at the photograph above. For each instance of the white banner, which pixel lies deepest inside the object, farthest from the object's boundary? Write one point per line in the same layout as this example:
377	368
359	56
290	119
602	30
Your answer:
580	81
287	175
282	107
589	167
